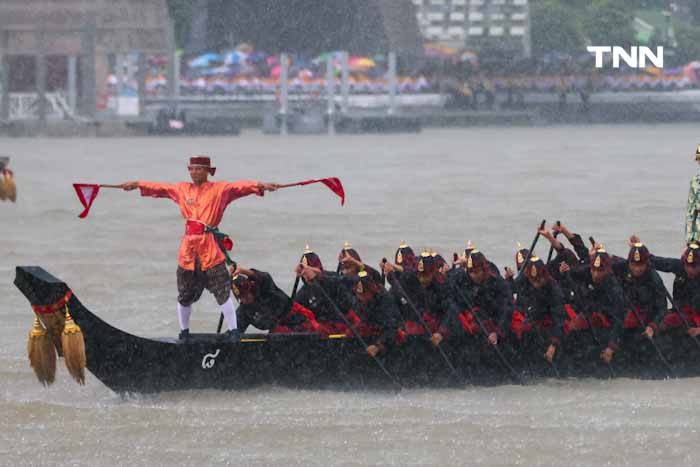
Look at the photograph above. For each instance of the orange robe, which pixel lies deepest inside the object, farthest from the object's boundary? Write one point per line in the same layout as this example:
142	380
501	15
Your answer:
205	203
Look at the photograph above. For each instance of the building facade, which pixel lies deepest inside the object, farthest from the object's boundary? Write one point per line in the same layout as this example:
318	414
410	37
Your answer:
476	24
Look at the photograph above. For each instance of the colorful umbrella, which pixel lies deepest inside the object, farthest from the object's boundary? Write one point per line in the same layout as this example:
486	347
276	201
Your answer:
361	63
433	49
235	57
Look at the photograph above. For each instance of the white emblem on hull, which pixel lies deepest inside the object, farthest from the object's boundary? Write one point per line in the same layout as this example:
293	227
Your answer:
209	359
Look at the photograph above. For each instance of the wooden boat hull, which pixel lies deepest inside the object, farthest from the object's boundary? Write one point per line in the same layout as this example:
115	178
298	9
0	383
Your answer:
128	363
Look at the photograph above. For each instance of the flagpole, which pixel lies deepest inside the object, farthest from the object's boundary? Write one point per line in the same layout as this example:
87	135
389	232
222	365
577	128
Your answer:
109	186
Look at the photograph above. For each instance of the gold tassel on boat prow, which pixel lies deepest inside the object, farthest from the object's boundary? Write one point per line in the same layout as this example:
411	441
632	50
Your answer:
74	349
54	323
10	186
42	353
8	189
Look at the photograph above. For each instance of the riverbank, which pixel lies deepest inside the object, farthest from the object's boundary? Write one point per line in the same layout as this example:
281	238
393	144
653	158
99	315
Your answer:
371	115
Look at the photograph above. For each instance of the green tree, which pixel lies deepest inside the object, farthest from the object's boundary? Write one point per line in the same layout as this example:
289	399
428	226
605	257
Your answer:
607	22
554	28
688	38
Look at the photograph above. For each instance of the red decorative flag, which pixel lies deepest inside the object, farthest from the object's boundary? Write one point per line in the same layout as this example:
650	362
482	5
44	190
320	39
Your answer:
86	194
333	183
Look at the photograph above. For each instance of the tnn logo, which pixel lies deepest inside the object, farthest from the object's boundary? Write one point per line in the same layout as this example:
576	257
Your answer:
637	58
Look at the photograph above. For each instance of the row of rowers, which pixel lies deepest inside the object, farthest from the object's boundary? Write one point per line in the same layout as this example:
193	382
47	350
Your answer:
577	289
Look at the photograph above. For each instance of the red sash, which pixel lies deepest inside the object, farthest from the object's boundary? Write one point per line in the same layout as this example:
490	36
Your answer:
309	325
579	323
194	227
471	326
631	321
414	328
519	325
673	320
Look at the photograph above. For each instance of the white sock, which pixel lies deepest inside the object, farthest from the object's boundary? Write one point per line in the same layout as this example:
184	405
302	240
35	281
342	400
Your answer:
230	314
183	314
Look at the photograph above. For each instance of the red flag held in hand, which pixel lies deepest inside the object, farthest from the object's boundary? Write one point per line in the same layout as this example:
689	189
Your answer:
86	194
333	183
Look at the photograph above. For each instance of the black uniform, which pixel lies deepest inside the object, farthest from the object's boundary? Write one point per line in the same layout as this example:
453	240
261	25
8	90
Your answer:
646	294
434	303
494	298
312	298
606	298
544	305
686	291
271	305
380	319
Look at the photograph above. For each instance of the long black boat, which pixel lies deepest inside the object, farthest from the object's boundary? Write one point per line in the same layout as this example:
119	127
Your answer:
128	363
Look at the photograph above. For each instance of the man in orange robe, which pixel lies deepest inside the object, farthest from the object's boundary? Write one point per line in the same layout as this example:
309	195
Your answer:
201	263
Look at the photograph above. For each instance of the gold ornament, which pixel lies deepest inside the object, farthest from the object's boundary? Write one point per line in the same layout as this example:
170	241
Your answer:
74	349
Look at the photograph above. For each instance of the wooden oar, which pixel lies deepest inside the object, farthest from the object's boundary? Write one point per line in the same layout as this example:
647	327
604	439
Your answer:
399	288
597	341
680	313
359	338
551	247
296	281
671	373
543	342
532	247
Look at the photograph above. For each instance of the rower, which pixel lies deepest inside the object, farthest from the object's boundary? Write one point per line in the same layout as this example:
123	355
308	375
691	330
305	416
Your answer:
520	255
429	292
603	303
574	239
404	258
377	317
485	293
539	307
201	262
686	287
692	217
311	271
350	265
266	306
349	262
644	290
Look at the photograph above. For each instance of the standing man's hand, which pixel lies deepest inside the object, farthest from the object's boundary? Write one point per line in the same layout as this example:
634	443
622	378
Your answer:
128	186
268	186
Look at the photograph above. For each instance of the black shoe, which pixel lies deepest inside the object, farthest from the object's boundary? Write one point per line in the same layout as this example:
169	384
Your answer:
232	337
184	335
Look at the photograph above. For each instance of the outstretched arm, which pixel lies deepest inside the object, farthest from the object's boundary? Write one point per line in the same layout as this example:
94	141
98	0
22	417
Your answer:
235	190
154	190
